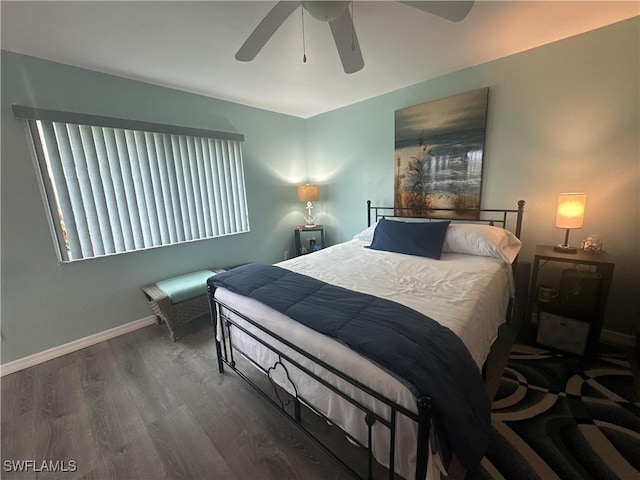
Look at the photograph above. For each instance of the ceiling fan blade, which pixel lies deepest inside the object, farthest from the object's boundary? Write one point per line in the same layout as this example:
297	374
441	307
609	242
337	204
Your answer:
347	42
265	29
450	10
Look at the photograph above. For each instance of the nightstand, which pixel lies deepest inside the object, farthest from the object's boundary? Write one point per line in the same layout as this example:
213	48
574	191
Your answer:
567	309
308	239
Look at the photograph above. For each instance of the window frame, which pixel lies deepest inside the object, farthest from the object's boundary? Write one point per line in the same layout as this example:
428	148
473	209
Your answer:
234	207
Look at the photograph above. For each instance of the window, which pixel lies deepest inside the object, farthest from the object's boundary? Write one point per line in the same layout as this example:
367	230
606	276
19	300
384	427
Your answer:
115	186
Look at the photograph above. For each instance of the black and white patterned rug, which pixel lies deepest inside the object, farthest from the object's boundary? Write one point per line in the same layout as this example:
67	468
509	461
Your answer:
564	417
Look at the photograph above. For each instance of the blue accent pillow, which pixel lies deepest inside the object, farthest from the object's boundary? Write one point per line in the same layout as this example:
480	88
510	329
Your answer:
424	239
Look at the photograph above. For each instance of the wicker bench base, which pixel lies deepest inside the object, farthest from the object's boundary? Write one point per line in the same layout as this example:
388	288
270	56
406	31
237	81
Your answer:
176	314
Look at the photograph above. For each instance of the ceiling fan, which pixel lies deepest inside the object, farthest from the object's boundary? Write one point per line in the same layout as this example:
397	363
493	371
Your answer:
337	14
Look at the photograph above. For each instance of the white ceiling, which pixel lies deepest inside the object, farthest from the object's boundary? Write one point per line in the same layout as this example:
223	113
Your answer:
191	45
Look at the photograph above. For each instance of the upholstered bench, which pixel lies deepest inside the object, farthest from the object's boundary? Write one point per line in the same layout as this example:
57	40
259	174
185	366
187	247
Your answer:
180	299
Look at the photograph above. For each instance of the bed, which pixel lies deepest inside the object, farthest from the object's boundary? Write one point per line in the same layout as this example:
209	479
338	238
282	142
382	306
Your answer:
465	289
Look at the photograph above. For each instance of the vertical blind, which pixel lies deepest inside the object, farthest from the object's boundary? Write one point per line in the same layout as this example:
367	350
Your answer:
119	190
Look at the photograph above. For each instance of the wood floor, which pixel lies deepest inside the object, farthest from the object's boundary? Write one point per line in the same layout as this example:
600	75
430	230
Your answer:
142	407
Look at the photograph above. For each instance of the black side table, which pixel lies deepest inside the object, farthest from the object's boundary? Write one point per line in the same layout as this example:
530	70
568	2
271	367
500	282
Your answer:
309	239
569	311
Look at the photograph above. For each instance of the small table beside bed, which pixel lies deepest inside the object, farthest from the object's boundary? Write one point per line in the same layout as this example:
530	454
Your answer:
385	336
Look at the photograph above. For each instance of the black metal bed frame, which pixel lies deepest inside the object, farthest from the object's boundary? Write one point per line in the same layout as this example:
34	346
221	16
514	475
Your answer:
490	216
225	356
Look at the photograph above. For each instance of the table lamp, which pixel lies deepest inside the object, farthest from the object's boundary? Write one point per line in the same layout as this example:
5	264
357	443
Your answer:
570	215
308	193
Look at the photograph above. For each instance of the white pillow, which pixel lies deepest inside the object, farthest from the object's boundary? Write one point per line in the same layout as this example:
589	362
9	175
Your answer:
367	234
482	240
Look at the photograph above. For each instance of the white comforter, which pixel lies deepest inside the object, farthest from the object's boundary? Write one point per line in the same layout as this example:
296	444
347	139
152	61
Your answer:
466	293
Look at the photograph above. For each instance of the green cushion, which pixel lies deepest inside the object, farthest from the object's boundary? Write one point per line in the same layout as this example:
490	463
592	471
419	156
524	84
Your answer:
185	286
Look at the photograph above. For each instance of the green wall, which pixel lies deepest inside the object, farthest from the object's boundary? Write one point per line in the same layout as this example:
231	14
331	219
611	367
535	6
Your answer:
46	304
562	117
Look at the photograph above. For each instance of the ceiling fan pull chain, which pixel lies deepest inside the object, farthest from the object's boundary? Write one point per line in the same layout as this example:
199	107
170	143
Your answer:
304	48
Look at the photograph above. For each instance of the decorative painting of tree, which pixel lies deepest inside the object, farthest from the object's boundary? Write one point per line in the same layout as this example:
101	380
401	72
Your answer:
439	150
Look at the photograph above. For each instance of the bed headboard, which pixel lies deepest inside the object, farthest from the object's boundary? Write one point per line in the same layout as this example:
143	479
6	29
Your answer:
509	219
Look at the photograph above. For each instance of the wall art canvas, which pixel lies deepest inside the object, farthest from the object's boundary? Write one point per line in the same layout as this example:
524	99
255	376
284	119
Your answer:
439	150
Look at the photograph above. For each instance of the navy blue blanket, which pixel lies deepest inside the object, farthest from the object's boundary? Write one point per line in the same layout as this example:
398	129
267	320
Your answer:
411	345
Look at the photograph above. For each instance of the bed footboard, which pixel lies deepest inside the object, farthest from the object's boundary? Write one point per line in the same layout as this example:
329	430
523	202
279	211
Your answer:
288	399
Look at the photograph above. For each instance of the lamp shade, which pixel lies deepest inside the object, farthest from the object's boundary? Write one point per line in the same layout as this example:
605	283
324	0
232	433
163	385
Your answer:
308	193
571	210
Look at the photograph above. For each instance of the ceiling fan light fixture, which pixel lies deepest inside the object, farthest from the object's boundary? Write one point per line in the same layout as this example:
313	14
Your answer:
325	11
337	15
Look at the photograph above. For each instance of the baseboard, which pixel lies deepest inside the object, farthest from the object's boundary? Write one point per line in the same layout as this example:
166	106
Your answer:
74	346
606	336
616	338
